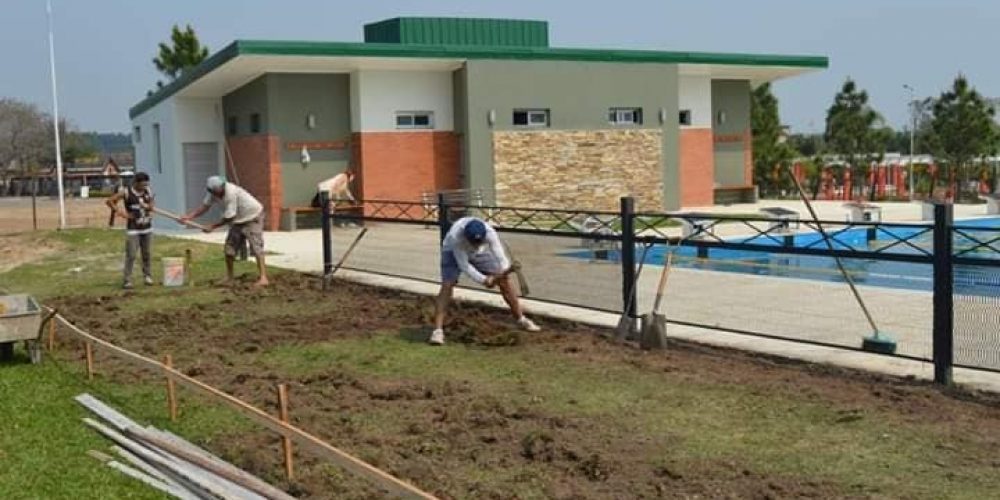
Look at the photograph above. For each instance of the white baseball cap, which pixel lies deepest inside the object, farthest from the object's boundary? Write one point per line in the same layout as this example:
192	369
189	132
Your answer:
215	183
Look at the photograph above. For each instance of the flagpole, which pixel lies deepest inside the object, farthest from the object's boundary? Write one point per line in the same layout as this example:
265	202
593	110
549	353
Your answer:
55	119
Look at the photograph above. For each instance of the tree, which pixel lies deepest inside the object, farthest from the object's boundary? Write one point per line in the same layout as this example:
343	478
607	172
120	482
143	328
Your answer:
185	51
855	131
962	130
25	134
770	152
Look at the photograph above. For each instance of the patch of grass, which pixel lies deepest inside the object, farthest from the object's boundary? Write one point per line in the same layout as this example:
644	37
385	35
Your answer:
780	434
43	442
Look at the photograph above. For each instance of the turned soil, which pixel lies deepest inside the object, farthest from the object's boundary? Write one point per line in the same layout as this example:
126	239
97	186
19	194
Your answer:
432	431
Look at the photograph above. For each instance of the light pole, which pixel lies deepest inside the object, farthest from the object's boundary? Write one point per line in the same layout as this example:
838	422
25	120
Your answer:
55	119
913	128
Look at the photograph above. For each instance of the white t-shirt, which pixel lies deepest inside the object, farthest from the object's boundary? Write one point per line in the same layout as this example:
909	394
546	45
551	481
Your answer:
456	243
237	204
338	186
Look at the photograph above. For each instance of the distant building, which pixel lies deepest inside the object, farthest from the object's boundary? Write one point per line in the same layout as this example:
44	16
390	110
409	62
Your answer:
427	104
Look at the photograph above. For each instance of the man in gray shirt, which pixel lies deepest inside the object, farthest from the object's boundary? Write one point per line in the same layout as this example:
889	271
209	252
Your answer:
245	217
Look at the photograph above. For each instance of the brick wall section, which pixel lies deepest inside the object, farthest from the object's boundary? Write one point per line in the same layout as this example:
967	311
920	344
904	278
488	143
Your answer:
401	166
748	157
578	169
697	172
258	170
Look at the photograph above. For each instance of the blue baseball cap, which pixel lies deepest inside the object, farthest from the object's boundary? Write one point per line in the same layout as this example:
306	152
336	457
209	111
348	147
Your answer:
475	231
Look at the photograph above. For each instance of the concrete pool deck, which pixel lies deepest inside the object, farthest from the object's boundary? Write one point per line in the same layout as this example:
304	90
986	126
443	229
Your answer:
787	307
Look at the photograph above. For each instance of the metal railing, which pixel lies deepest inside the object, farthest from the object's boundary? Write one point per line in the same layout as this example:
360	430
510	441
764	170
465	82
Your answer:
940	246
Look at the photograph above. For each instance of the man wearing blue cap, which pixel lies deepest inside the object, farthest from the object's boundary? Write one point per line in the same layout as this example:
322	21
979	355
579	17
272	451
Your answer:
245	217
474	248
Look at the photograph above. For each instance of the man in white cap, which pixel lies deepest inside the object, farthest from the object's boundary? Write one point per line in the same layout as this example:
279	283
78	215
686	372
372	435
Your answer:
245	217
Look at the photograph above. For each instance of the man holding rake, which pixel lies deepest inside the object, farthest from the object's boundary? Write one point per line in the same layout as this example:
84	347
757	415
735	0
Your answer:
474	248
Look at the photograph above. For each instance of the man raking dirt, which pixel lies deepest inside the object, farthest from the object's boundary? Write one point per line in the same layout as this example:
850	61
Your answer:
245	217
474	248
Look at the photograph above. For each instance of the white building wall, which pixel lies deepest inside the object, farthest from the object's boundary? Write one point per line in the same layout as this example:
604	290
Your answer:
165	177
376	96
696	96
199	120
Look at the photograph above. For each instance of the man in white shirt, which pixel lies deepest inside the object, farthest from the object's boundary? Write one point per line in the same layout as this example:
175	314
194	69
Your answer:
472	247
245	217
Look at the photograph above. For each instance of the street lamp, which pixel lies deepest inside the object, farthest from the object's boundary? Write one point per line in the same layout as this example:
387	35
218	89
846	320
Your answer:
913	128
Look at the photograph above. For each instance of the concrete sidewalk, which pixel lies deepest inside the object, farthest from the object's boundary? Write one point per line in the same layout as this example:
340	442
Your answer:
300	251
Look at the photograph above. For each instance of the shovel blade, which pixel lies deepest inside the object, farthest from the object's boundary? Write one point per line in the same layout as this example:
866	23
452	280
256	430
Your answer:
654	332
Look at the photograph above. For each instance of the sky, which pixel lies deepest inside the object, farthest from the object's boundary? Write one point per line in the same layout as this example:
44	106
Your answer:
104	47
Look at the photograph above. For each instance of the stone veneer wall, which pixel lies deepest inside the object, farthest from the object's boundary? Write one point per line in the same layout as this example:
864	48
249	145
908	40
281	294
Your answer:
579	169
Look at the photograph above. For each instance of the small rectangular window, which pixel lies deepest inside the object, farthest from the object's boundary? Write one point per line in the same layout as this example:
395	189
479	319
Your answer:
625	116
232	125
157	148
531	117
685	117
414	119
255	123
137	134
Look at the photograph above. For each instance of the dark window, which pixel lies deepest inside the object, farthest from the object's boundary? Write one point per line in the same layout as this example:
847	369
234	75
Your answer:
414	119
625	116
157	149
137	134
531	117
255	123
232	125
685	118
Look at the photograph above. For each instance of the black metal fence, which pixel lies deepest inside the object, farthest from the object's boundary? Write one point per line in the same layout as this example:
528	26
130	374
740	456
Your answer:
933	287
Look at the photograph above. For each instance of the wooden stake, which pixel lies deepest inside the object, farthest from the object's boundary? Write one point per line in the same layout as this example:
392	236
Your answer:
187	266
286	444
90	360
168	361
52	335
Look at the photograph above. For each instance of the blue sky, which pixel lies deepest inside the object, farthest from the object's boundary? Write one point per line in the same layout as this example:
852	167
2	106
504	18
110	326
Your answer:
104	47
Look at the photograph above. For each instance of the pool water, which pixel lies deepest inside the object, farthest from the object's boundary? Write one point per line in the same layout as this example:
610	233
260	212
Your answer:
968	279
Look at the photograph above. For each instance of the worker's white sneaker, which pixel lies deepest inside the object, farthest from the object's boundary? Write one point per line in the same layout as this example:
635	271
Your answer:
528	325
437	337
148	280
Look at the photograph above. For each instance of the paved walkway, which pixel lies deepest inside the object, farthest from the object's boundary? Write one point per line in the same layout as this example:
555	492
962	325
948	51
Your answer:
795	308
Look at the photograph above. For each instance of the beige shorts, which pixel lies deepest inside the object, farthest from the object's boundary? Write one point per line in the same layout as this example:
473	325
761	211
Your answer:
239	235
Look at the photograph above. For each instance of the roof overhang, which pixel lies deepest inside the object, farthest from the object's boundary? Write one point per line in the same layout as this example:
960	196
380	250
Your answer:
244	60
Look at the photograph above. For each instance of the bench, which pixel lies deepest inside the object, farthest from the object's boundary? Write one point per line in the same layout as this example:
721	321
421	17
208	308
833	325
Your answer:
731	195
992	203
290	215
783	218
859	211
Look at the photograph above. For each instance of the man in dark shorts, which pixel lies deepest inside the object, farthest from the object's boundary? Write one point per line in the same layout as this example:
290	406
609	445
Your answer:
245	217
137	211
474	248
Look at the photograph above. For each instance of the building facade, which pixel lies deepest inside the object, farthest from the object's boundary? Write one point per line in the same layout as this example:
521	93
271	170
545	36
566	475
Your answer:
429	104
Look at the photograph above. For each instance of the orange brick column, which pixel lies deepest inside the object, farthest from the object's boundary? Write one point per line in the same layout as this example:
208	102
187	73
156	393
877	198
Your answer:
748	158
401	166
697	172
258	170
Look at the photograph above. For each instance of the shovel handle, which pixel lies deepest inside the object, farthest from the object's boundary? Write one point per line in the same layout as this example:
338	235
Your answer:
663	281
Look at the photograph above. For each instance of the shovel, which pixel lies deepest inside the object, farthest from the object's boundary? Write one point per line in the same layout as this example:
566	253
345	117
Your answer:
626	324
654	324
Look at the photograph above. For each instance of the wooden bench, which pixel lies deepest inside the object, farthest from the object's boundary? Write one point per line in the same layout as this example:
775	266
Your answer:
290	215
730	195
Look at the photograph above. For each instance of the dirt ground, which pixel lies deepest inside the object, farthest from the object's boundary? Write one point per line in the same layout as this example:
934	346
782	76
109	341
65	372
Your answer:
443	426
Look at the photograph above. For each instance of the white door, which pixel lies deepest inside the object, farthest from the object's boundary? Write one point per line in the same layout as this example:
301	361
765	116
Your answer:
201	161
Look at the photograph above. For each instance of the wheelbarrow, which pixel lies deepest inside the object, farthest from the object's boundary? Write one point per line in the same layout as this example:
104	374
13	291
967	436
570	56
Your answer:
20	319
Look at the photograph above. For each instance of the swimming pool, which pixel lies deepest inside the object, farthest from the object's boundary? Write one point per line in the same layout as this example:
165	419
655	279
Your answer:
903	275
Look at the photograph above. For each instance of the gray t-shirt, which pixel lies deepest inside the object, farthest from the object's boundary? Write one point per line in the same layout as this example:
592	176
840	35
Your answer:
237	204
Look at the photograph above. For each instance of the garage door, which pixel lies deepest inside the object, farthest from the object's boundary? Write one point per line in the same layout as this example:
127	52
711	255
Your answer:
201	161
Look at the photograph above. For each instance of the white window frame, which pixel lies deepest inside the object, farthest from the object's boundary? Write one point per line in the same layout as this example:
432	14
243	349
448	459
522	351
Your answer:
412	116
616	116
532	115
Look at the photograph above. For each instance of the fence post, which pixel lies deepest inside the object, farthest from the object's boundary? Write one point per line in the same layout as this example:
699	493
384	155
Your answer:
943	300
628	255
324	203
443	223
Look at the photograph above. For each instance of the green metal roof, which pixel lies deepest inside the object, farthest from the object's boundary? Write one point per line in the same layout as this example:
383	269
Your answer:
459	31
465	52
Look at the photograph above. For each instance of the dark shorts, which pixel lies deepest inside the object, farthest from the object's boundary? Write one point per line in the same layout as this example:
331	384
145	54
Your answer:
239	235
484	262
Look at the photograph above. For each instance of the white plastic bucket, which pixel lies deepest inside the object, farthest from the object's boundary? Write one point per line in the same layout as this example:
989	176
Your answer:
84	191
173	271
